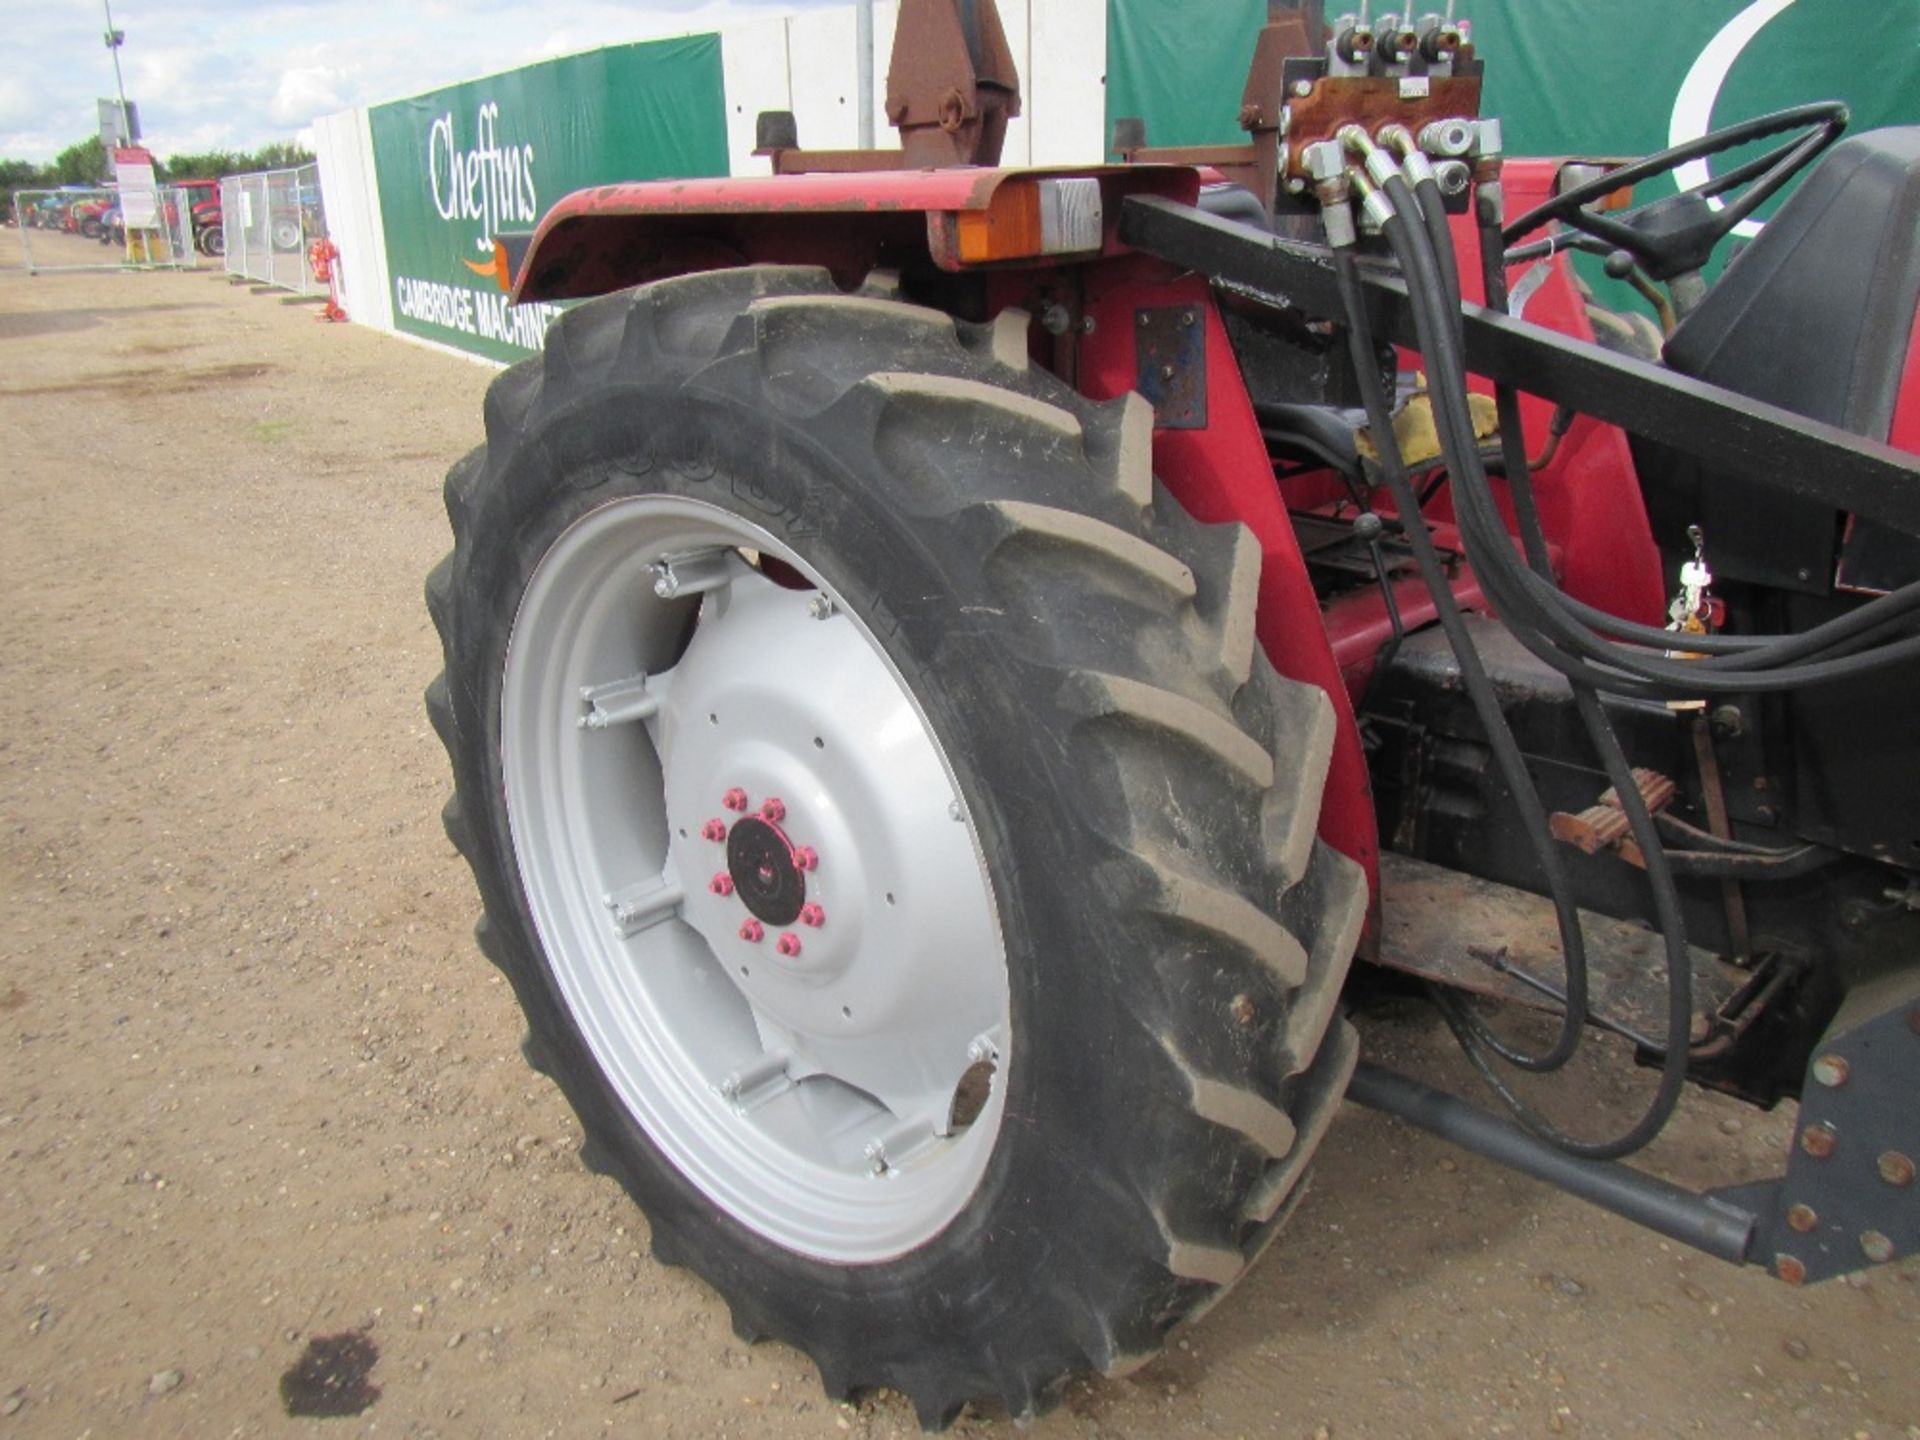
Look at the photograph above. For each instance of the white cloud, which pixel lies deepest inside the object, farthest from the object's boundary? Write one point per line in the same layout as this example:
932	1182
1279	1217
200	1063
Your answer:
237	74
304	92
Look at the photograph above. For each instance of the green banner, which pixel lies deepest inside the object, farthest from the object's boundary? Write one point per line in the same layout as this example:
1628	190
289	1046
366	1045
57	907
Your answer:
1564	78
458	165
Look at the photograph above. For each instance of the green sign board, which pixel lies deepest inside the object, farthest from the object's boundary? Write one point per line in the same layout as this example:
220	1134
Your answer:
1612	79
457	166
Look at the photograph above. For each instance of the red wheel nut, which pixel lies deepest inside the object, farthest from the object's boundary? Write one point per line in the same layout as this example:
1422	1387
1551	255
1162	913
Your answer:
735	799
806	857
788	945
775	809
811	914
721	884
714	830
752	931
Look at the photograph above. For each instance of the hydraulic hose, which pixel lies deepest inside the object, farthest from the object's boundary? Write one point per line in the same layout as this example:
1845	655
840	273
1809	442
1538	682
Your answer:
1506	750
1441	343
1559	629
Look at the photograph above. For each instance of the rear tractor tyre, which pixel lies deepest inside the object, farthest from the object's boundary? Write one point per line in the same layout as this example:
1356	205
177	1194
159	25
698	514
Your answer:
902	853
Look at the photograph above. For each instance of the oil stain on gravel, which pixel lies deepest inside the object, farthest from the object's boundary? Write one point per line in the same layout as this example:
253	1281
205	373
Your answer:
331	1377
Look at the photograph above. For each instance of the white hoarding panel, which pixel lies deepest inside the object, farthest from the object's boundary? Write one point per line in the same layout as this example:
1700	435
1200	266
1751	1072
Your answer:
1065	85
753	66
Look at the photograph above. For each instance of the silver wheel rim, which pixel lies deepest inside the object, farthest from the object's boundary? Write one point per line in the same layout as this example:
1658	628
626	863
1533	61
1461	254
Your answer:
832	1079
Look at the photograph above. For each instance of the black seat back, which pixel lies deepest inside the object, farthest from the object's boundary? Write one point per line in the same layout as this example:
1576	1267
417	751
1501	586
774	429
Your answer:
1815	316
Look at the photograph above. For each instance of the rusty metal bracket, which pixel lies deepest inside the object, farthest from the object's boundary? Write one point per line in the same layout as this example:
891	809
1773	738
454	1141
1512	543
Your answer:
1851	1198
951	89
1171	344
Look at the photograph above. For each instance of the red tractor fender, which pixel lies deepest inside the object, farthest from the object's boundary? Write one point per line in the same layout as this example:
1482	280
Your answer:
604	239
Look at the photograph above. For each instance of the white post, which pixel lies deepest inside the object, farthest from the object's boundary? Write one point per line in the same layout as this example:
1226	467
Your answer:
863	62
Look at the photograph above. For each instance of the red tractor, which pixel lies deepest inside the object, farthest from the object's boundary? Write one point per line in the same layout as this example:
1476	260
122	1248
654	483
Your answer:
947	665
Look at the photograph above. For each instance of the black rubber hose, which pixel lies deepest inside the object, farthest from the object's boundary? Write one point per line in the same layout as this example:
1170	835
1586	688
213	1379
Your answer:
1433	214
1445	354
1506	750
1563	639
1877	615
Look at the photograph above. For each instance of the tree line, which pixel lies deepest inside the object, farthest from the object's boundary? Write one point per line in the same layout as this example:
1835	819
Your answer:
87	163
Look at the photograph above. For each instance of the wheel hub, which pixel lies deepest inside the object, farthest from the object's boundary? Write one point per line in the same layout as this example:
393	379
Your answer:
765	870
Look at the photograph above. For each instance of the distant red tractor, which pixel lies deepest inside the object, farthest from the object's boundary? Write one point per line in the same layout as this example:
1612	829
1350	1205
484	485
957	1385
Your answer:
945	672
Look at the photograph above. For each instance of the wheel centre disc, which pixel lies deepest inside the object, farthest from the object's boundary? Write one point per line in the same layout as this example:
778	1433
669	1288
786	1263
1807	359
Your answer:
765	872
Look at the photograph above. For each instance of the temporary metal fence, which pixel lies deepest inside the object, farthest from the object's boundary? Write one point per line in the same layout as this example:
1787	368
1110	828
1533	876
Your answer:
269	219
76	228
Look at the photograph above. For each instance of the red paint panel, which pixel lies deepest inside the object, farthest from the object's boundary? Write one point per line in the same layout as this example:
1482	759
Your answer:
1905	434
1221	473
1589	497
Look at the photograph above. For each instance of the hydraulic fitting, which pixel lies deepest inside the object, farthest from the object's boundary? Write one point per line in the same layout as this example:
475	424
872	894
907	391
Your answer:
1326	162
1353	40
1413	160
1486	151
1439	38
1379	164
1374	204
1448	138
1453	177
1398	42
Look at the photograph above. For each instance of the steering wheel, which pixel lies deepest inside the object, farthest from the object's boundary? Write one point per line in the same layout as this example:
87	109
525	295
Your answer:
1674	236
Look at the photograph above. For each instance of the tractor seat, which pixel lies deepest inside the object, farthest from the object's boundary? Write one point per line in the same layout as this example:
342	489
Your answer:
1815	316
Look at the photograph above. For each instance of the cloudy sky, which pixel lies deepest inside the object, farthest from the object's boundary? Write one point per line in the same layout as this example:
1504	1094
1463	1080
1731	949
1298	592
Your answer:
211	74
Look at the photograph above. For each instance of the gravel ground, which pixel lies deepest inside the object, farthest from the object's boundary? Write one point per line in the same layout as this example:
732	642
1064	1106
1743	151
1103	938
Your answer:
265	1134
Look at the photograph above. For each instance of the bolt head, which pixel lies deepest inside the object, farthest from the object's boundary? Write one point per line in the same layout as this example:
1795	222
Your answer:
1876	1247
1790	1269
1896	1169
735	799
820	607
1818	1140
1831	1071
721	884
774	809
1302	88
788	945
1802	1218
752	931
715	830
812	914
807	858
